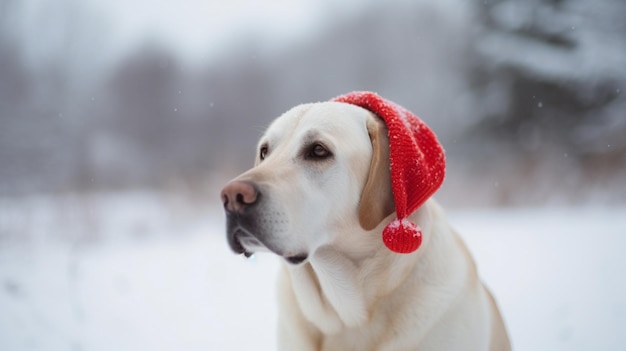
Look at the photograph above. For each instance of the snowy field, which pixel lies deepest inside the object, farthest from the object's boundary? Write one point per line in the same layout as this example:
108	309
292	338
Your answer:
142	271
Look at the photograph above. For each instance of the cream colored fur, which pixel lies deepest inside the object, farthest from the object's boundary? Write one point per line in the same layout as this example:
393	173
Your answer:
352	293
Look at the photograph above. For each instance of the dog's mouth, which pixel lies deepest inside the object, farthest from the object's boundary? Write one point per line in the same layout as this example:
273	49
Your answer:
244	242
297	259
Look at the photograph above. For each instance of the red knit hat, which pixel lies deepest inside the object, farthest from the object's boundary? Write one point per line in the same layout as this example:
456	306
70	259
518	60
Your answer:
417	163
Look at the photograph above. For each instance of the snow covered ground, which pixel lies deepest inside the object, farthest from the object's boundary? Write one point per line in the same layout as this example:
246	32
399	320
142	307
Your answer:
142	271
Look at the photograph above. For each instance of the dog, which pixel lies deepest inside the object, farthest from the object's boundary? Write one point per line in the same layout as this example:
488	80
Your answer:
339	287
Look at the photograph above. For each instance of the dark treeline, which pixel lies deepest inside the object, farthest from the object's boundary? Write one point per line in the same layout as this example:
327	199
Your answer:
527	97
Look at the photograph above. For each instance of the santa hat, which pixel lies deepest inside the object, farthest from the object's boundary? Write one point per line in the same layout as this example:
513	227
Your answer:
417	163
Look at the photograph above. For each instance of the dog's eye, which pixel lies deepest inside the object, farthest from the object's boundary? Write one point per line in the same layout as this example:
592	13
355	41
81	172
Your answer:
263	152
318	151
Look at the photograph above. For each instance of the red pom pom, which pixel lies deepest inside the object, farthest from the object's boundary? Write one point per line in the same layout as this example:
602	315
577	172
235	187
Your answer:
402	236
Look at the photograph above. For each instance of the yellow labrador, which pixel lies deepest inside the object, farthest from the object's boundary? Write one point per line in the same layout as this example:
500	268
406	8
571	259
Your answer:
340	288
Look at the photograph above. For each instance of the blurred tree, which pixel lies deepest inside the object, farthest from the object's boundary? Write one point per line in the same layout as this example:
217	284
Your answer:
519	92
551	74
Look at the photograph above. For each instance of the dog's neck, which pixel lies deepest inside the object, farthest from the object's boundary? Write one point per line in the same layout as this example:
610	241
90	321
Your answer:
330	287
327	290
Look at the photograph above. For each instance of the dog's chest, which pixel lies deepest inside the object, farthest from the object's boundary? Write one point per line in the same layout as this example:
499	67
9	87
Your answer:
361	338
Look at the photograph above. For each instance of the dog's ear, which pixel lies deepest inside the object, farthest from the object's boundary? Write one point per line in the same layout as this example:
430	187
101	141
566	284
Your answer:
377	197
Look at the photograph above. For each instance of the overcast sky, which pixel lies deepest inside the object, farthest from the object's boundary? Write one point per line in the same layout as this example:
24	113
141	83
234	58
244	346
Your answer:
195	29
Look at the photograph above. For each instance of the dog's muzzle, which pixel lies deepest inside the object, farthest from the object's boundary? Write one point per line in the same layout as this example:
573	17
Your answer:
241	202
239	198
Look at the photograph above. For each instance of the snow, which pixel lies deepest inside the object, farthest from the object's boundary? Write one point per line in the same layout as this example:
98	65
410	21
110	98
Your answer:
555	272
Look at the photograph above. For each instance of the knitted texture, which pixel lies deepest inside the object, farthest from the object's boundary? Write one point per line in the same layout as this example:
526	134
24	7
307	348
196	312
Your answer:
417	164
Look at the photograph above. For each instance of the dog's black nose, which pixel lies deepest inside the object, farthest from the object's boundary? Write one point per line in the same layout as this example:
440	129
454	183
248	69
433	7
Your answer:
238	195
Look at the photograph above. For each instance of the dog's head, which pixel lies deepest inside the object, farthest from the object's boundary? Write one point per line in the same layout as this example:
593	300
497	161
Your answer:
321	169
